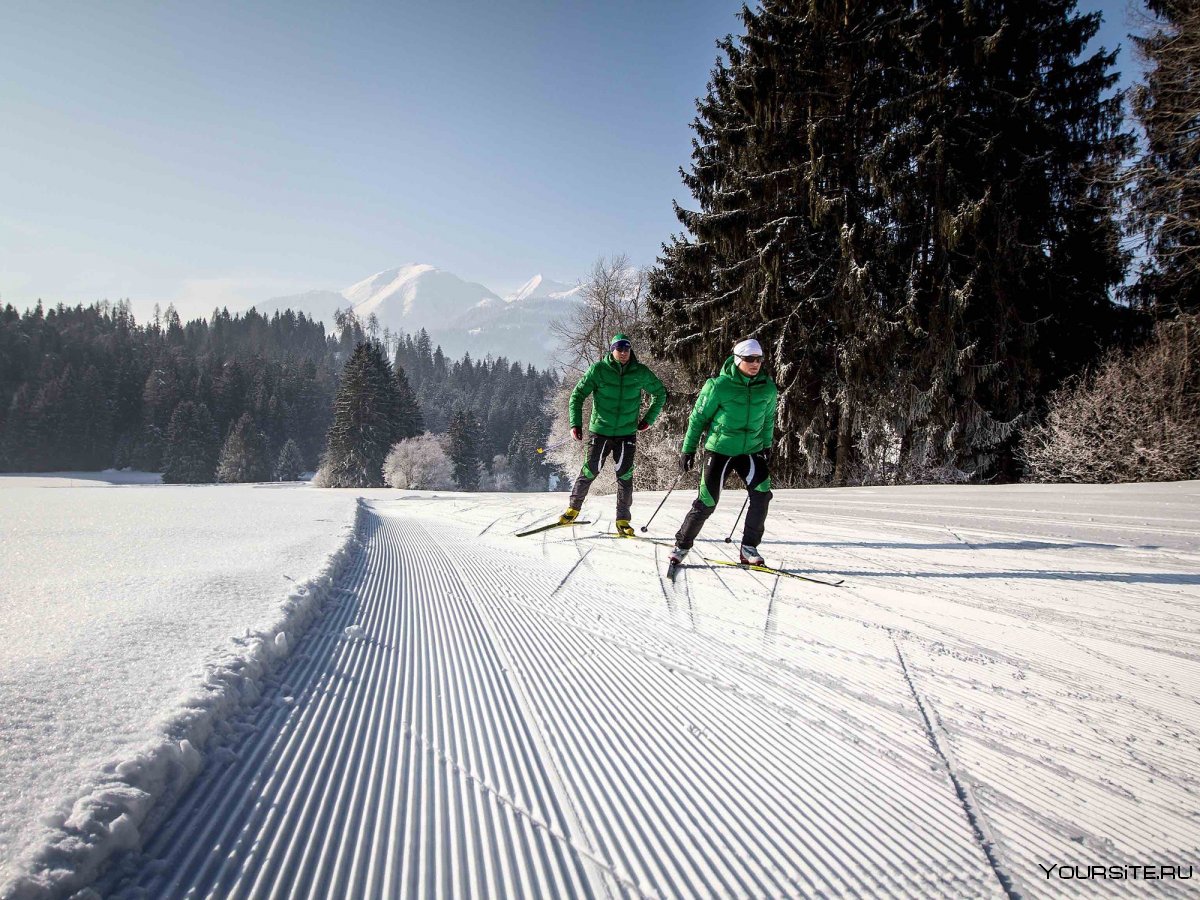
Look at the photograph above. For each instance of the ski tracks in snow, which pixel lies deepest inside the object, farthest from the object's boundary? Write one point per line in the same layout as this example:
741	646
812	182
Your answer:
500	729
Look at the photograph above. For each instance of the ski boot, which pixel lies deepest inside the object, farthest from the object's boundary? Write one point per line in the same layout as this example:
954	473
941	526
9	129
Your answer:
675	560
624	529
569	516
751	556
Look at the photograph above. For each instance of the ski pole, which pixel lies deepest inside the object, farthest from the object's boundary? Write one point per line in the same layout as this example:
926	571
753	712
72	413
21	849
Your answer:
663	500
729	540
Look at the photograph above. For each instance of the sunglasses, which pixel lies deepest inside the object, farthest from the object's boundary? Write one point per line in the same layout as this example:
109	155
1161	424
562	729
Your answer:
751	359
621	345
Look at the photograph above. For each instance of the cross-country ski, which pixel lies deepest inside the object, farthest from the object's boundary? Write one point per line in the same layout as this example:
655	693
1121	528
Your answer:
769	570
552	526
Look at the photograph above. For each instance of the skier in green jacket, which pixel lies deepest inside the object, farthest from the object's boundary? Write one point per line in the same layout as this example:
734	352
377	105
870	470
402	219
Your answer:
616	384
738	409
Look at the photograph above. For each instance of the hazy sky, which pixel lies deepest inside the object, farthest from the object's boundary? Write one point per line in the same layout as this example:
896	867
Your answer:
216	153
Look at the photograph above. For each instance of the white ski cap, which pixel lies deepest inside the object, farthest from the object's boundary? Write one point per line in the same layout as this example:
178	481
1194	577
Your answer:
748	347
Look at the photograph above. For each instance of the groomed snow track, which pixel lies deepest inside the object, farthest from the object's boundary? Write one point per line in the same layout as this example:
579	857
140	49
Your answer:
487	730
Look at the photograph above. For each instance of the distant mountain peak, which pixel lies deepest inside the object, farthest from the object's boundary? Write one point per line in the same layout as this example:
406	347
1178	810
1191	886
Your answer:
538	287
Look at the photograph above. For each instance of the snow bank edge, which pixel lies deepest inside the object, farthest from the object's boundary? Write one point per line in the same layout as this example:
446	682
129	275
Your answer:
130	797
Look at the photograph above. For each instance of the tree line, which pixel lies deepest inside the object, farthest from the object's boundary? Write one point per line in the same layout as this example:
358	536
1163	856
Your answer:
233	397
486	421
924	211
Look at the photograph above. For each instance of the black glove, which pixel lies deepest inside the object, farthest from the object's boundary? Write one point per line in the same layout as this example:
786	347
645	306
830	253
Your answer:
686	461
577	433
765	454
643	425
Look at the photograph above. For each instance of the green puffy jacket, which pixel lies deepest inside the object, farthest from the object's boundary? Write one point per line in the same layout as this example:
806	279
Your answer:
617	404
738	411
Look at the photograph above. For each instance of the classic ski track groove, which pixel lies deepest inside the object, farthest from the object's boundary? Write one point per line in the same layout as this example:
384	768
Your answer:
513	726
971	807
363	789
489	736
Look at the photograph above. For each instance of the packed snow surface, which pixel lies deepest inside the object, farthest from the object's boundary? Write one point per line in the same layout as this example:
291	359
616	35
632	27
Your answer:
1005	689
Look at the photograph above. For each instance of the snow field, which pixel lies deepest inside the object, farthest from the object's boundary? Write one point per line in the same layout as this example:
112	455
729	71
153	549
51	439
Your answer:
117	664
1007	681
488	715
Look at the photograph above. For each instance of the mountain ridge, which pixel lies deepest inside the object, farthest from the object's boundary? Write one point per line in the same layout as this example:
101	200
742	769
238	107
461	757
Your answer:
461	316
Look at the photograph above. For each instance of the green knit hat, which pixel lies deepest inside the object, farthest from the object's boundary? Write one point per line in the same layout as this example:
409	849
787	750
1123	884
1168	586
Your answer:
616	339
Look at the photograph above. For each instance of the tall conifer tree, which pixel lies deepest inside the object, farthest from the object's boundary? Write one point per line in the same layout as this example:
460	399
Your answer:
244	455
410	421
464	448
190	456
787	245
1166	180
365	420
290	465
909	207
1004	173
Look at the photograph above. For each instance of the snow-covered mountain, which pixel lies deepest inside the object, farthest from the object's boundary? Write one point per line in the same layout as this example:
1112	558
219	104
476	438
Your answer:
416	296
460	315
539	287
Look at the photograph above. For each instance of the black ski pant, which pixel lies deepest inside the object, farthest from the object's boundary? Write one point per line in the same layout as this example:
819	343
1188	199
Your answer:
622	450
754	471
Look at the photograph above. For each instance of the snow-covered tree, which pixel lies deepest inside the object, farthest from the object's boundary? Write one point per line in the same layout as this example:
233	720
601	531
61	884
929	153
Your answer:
290	465
365	421
244	455
190	456
464	449
419	463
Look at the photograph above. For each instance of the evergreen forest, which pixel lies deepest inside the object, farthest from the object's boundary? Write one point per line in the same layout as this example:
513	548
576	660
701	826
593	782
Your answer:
231	398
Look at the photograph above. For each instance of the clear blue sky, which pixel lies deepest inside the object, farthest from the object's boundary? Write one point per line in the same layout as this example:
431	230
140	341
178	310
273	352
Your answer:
218	153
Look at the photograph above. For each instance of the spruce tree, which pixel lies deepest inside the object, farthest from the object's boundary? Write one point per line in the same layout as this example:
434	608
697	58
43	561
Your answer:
910	207
788	244
18	443
93	409
190	456
1010	248
161	393
411	422
51	422
291	463
244	455
464	448
1165	182
365	420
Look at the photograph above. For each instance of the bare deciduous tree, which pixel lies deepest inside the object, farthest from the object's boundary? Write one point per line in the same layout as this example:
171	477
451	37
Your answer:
419	463
1135	418
613	299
